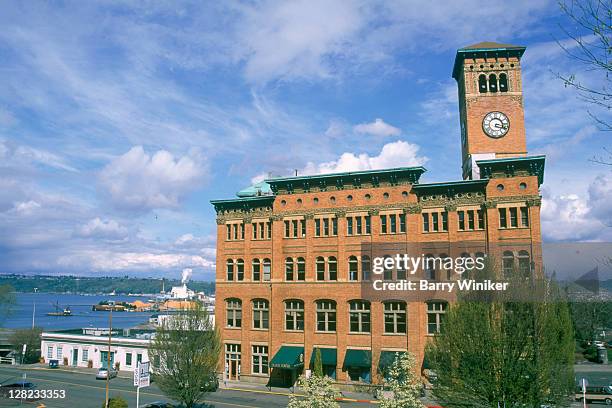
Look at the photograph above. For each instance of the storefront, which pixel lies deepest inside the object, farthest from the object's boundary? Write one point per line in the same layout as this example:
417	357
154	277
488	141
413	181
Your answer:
329	360
287	364
358	364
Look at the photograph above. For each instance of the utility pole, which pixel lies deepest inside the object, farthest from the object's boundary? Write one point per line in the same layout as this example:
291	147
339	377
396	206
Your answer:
108	358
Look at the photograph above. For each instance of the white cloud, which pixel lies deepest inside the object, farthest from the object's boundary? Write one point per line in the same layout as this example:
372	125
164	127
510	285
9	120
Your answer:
377	128
132	261
396	154
137	181
25	207
18	156
98	228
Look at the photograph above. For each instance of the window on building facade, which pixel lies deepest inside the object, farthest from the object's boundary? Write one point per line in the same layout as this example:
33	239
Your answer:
303	228
320	266
234	312
59	352
359	316
326	227
294	315
332	268
481	219
395	317
503	82
383	224
261	310
524	263
317	227
387	272
334	226
128	359
524	217
368	225
85	355
229	275
366	268
289	269
503	221
287	228
49	352
461	218
326	315
261	230
425	222
482	83
301	269
240	269
358	225
256	270
267	269
349	226
353	268
513	217
430	267
508	263
436	311
402	223
259	357
493	83
393	223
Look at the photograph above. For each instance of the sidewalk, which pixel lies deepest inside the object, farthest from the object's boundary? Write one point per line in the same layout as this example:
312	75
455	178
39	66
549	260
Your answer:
347	396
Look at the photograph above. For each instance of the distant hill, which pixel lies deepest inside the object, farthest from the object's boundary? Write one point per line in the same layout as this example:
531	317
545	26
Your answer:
93	285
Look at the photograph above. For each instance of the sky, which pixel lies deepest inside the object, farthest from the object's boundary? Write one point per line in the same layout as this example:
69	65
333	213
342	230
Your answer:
120	121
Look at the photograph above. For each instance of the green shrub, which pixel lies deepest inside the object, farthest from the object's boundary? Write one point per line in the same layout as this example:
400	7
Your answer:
116	402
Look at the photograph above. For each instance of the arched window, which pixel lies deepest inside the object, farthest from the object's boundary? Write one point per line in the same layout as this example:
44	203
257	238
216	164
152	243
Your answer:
326	315
240	269
463	273
503	83
332	268
229	270
353	268
289	269
366	268
482	83
524	263
395	317
301	269
492	83
294	315
387	273
234	312
320	265
261	313
430	267
256	270
359	316
267	269
508	263
436	311
445	261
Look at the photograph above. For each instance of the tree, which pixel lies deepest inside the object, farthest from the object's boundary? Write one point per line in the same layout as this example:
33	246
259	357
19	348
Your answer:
593	17
318	363
505	349
185	355
402	388
7	301
319	392
29	337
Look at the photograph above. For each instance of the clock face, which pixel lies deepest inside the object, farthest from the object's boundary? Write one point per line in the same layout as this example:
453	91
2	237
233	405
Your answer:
496	124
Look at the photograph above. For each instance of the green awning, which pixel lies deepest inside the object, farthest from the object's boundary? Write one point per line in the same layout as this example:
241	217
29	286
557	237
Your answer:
357	358
387	358
288	357
329	356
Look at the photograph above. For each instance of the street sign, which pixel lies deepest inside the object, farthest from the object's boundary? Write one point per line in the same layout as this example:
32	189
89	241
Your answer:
142	377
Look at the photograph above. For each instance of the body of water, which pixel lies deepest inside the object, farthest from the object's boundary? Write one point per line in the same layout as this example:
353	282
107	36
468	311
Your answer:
83	316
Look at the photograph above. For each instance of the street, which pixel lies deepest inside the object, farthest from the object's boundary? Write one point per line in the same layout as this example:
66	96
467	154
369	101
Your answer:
83	390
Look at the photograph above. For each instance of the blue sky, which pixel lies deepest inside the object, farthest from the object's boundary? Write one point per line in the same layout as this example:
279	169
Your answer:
119	121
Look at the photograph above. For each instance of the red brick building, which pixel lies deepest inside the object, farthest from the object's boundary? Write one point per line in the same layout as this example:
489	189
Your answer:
290	260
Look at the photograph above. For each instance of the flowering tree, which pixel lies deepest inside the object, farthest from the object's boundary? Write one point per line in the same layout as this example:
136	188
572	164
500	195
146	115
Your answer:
402	388
319	393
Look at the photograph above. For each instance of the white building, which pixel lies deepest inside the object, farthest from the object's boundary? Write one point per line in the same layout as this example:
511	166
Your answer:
89	347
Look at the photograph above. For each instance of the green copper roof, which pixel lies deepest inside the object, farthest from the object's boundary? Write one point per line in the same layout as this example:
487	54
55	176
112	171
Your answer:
450	188
485	48
257	189
339	180
533	165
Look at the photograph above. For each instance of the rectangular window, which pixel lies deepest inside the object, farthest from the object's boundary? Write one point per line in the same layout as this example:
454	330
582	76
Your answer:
383	224
295	228
317	227
256	270
128	359
359	225
471	220
434	222
235	229
85	355
229	231
503	222
267	270
59	352
359	316
425	222
242	231
264	230
444	221
333	269
435	316
289	269
254	226
513	217
395	317
461	215
234	313
294	315
368	225
326	227
393	223
481	219
303	227
287	229
269	228
49	352
260	314
320	269
301	269
334	226
259	357
402	219
524	217
349	226
326	316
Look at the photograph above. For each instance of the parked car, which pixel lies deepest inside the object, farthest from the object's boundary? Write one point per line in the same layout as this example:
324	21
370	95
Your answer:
158	404
5	389
53	364
104	372
599	344
595	393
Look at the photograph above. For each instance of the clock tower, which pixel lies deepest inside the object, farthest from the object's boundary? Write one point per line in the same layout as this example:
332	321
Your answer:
488	76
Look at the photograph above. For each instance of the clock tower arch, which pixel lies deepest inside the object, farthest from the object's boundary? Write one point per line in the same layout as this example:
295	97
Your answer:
491	112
